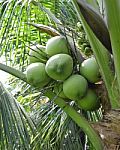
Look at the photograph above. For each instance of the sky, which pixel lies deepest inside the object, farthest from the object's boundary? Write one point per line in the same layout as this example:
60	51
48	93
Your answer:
3	74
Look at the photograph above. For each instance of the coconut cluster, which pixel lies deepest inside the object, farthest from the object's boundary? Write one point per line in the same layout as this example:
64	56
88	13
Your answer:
55	63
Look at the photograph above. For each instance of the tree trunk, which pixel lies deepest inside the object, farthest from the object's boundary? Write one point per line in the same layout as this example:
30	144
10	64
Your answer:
109	130
109	127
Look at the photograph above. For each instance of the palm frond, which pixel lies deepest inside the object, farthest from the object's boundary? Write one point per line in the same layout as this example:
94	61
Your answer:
16	33
16	125
56	129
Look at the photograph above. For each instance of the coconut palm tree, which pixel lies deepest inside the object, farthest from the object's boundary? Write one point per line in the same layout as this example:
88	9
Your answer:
58	124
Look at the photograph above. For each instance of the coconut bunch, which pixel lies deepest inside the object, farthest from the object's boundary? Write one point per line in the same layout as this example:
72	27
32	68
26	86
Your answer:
54	65
82	40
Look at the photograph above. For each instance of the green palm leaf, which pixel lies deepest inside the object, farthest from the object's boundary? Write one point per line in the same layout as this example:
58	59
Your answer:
56	130
15	124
